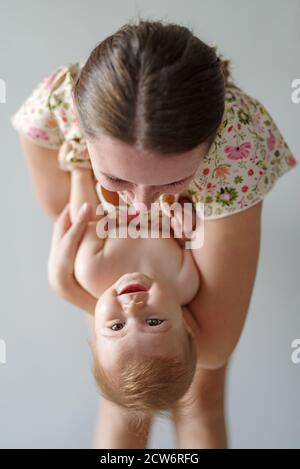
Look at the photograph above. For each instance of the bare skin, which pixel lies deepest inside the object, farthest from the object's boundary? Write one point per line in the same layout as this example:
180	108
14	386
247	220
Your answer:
230	242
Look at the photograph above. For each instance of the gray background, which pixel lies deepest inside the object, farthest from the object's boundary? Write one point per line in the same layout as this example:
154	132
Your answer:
48	397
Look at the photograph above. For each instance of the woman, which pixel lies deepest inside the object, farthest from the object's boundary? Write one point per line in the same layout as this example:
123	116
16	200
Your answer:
156	113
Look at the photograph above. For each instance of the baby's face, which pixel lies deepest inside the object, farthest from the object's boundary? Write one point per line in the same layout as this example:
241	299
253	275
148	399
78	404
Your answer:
138	314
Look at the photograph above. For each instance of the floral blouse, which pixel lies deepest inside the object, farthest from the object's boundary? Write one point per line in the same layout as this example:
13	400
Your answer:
247	157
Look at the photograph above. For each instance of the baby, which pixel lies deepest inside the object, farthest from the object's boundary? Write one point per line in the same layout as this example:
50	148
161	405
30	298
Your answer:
143	349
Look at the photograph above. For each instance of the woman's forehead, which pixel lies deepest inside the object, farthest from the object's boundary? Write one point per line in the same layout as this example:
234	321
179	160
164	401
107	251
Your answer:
118	159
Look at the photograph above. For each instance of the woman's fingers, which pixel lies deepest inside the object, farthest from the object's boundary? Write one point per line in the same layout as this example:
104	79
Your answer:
77	229
189	213
183	222
62	223
65	242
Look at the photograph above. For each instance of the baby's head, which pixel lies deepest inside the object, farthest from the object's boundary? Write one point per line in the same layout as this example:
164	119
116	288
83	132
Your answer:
144	351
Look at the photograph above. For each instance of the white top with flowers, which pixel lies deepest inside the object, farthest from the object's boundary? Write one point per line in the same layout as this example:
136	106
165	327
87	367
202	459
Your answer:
247	157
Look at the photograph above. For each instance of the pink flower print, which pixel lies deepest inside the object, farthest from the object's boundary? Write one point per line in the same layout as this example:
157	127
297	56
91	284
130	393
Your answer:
63	116
226	197
291	160
50	80
242	202
271	140
34	133
239	152
254	158
210	187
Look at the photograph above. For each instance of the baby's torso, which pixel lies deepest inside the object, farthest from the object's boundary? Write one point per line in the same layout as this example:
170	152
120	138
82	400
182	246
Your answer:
99	263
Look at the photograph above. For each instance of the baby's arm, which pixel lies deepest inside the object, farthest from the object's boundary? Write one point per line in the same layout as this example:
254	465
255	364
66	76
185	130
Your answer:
82	190
87	266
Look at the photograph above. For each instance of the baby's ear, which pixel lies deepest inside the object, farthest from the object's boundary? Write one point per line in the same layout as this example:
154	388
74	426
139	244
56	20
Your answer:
189	321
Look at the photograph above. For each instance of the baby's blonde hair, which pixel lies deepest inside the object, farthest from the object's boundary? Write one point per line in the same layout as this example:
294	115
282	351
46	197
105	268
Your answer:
148	385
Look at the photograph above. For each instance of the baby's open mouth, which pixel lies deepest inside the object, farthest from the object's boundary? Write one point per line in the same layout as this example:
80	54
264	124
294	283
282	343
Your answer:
133	288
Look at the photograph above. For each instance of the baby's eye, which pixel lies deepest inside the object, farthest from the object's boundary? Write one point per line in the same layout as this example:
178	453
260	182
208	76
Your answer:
117	326
154	322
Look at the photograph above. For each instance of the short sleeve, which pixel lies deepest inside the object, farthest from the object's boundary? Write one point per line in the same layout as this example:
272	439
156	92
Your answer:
247	157
35	118
47	117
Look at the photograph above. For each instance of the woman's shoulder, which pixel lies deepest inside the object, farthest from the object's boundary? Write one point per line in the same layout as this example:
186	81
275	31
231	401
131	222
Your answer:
60	75
73	151
60	81
47	116
245	160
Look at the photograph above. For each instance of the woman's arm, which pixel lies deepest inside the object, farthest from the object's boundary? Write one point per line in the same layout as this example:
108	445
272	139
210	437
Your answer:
52	188
227	264
65	242
50	184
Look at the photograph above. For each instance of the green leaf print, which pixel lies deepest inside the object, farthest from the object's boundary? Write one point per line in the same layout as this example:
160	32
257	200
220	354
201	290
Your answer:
243	116
238	179
226	196
57	101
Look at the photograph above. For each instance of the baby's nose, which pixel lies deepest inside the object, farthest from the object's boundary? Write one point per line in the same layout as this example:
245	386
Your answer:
132	307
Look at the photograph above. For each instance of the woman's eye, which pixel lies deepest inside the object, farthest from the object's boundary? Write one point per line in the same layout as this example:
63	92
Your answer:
154	322
177	183
114	179
117	326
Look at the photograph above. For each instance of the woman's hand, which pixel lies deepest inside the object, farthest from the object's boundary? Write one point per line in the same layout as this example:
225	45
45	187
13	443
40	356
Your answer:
65	242
185	222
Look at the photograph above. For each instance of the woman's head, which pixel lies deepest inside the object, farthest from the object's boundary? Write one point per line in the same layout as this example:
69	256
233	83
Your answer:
149	101
144	352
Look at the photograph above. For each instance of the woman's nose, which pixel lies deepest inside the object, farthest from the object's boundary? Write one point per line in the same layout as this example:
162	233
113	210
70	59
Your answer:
144	198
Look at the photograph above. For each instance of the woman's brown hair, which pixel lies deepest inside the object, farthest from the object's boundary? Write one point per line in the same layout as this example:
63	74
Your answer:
152	85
